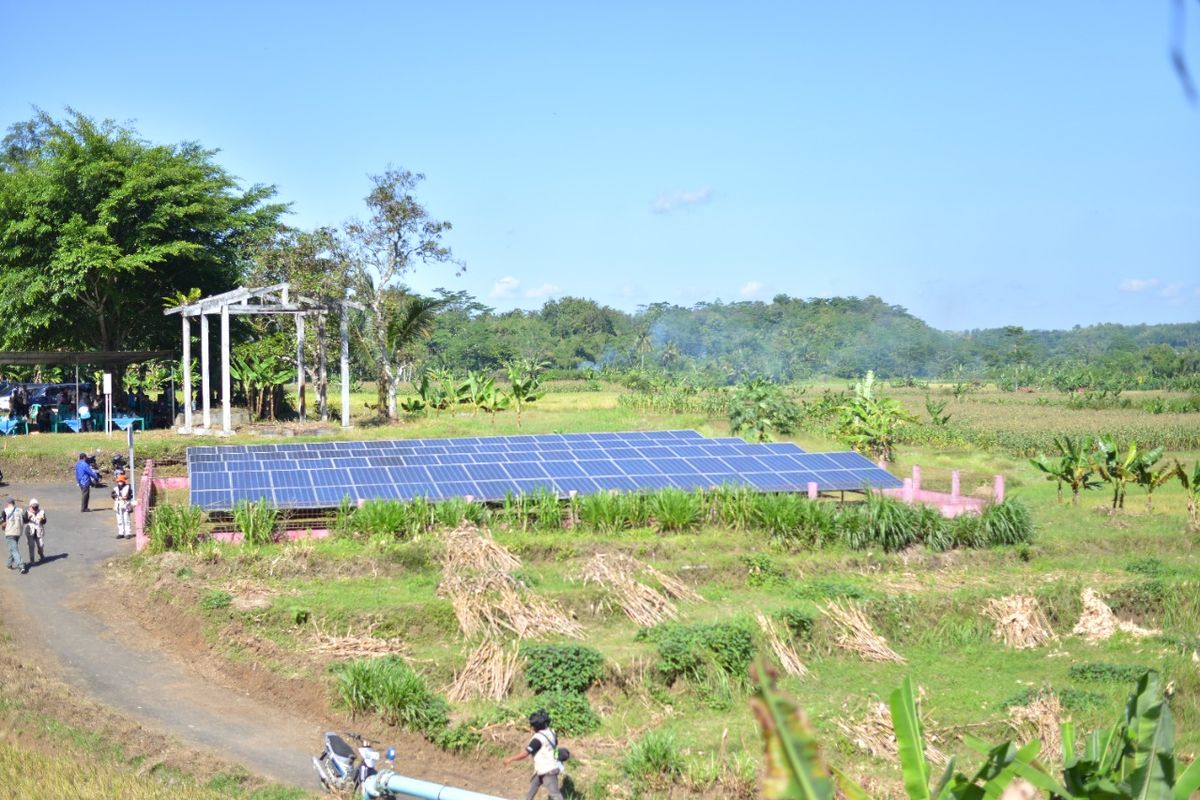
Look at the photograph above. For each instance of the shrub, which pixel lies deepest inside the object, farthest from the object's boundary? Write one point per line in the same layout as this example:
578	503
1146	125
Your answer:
1103	672
966	531
379	518
654	759
175	528
1150	567
762	571
675	509
1008	522
256	521
390	687
1072	699
215	599
798	621
570	712
779	515
829	589
688	651
886	523
603	511
734	506
561	667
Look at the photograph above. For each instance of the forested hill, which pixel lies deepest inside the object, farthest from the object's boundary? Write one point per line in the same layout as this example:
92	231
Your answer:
791	338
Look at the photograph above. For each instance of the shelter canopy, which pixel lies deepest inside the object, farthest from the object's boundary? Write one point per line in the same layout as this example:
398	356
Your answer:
99	358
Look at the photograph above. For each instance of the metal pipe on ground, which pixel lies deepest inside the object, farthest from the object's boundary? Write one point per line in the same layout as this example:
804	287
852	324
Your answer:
392	784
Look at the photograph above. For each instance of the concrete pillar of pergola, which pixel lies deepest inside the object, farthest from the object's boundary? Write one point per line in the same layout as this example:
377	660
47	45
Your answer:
267	300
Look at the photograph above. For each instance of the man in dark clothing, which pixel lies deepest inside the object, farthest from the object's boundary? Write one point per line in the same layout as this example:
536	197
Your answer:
84	475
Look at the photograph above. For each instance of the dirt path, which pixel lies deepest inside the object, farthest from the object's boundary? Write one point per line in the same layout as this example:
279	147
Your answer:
116	662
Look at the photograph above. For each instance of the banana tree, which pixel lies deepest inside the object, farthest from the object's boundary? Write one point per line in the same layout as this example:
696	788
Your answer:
1191	487
475	390
430	390
869	422
1150	478
524	382
1073	467
1115	468
494	400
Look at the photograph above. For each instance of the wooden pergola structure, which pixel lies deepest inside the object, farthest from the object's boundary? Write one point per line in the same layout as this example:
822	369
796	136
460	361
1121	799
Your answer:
267	300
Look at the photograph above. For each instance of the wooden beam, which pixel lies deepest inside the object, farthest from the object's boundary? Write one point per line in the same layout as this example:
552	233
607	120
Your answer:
205	387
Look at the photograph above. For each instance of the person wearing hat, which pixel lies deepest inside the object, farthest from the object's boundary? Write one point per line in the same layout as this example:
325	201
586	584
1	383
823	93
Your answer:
84	475
122	495
14	526
543	749
35	530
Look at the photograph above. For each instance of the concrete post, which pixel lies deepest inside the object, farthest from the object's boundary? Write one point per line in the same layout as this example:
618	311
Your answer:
345	366
955	484
187	375
908	490
813	494
998	488
916	479
300	367
322	371
205	387
226	393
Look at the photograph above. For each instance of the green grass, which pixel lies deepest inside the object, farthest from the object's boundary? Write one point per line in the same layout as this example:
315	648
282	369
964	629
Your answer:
926	603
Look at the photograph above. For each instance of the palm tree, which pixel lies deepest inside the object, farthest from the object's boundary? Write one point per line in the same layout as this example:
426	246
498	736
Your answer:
409	322
643	345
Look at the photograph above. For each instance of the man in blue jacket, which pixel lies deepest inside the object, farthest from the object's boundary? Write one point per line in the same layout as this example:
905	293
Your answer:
84	475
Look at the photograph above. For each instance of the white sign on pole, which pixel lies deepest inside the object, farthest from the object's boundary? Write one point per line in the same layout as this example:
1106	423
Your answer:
108	383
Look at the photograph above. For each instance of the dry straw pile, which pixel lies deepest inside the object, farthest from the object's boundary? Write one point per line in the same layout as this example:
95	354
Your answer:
488	673
350	645
642	603
1098	623
487	600
1041	719
1019	620
789	659
875	735
854	633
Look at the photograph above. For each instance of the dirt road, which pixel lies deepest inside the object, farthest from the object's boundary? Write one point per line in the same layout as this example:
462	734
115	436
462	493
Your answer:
118	664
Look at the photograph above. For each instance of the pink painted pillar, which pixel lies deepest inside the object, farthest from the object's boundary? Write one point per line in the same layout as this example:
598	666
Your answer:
955	484
882	464
908	490
916	479
812	490
998	488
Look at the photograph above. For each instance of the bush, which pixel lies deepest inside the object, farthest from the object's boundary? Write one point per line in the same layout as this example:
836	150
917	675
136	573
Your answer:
1150	567
256	521
390	687
1103	672
1071	699
798	621
602	512
215	599
688	651
561	667
1008	522
762	571
829	589
570	712
675	509
654	759
379	518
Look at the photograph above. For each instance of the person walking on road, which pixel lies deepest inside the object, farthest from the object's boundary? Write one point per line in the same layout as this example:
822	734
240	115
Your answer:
35	530
14	527
84	475
543	748
122	495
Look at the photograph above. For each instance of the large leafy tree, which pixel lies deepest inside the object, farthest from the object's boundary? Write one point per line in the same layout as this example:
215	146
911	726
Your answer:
96	224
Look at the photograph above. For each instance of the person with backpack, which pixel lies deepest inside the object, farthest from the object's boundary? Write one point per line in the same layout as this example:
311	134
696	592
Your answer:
35	530
546	754
84	475
14	527
122	495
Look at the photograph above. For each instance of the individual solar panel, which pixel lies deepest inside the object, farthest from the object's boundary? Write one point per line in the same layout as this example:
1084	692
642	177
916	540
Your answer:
324	474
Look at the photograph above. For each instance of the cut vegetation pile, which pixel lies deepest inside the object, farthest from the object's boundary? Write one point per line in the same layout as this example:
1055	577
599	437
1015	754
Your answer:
875	735
856	634
1098	623
488	673
488	600
642	603
788	658
1020	622
1042	720
352	645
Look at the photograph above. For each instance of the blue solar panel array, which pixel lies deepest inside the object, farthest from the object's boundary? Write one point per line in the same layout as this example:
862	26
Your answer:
322	474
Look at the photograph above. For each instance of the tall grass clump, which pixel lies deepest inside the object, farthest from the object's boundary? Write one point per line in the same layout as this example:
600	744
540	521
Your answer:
547	510
175	528
1008	522
379	518
256	521
654	760
675	509
604	512
778	514
734	506
885	523
388	686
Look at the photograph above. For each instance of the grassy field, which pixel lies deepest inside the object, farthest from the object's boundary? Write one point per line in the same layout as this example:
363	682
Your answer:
702	737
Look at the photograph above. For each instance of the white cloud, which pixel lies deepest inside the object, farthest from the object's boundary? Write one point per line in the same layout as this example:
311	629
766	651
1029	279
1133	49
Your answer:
1138	284
751	289
669	201
545	290
505	287
1172	290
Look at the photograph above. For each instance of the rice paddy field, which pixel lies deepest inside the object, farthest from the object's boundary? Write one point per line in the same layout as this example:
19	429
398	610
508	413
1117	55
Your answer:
649	685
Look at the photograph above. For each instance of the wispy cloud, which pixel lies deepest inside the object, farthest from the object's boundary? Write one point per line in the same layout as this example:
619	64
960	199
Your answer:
669	201
505	287
1138	284
751	289
545	290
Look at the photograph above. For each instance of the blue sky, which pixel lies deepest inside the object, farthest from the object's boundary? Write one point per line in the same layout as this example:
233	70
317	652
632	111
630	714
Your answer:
1025	163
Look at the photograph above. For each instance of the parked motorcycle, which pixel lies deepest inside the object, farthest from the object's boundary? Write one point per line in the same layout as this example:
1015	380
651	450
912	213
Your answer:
342	768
